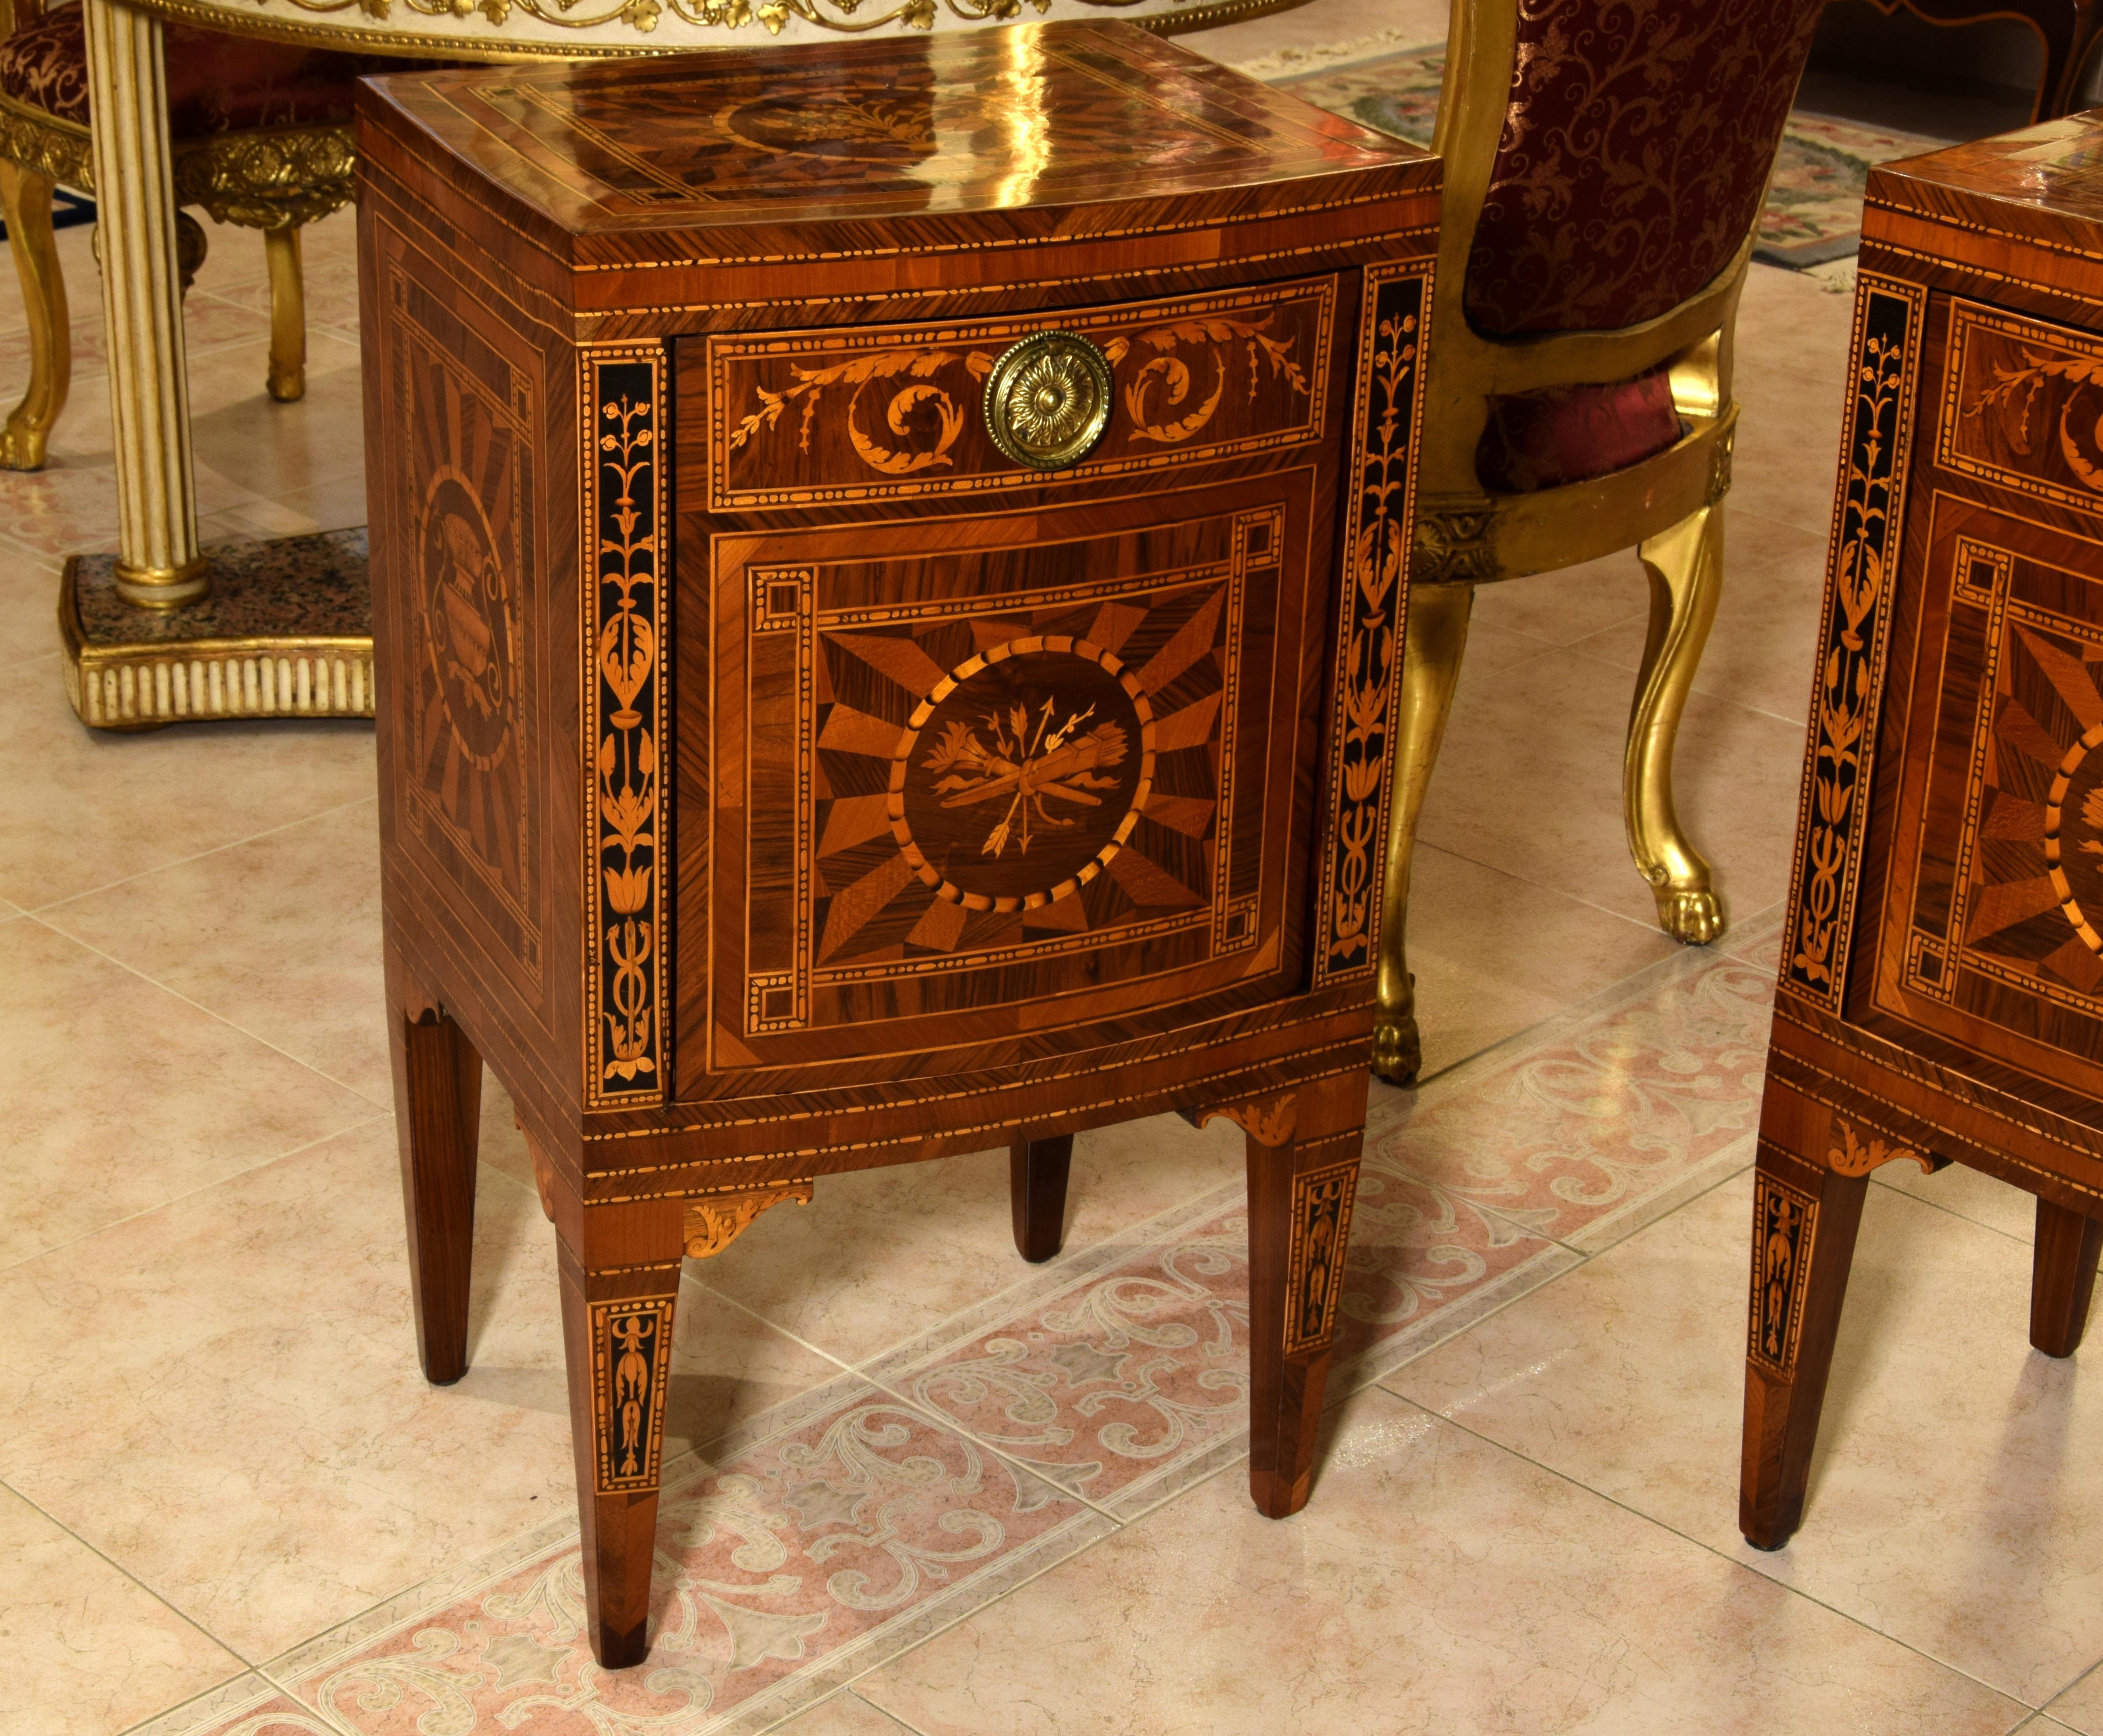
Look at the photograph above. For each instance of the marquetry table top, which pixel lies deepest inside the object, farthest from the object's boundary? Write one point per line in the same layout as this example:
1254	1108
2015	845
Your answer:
1031	120
2023	207
2053	170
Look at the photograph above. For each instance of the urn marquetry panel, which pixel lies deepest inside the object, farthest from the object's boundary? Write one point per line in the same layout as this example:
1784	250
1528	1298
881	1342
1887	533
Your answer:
889	606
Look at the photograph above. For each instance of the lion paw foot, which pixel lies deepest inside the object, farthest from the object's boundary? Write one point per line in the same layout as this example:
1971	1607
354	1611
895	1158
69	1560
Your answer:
21	449
1694	919
1398	1053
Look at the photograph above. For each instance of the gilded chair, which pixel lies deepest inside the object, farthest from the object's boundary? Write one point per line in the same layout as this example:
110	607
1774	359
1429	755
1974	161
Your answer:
262	139
1605	161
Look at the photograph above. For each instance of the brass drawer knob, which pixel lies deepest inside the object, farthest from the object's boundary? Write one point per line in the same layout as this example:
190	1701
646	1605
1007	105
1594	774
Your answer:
1048	400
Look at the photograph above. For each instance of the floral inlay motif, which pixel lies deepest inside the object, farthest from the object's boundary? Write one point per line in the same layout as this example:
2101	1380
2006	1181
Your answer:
1868	515
624	727
1369	624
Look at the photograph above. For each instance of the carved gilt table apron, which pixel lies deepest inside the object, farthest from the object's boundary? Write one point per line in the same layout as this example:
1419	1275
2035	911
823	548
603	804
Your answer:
888	564
1940	997
164	632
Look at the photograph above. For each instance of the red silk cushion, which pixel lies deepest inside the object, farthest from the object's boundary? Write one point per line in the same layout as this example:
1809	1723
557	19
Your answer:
1633	156
1544	439
216	83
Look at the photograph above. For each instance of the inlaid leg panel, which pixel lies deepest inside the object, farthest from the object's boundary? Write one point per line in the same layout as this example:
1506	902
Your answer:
1805	1218
1303	1178
620	1289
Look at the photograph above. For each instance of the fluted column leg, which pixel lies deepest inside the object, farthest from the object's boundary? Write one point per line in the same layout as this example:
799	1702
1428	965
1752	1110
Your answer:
158	564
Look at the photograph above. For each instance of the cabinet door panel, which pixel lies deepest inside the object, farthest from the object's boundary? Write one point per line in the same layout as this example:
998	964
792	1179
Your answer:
980	778
1993	928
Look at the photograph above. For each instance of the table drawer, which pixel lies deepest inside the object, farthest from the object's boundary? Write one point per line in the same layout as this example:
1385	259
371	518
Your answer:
976	778
872	413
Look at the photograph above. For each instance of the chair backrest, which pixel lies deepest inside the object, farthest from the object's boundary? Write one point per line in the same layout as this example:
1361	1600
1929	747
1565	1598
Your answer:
1631	156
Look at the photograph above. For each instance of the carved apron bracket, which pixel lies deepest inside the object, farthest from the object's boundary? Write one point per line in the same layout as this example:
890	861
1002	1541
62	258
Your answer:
714	1223
1271	1122
1854	1157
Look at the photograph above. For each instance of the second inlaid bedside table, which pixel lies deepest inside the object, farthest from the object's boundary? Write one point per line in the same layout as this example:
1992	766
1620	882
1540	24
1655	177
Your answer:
889	563
1941	989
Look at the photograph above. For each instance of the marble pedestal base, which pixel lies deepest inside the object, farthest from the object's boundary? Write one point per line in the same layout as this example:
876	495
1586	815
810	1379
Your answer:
285	631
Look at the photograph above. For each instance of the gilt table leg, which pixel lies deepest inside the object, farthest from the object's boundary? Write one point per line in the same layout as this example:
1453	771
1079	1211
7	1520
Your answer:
158	564
437	1118
1303	1176
621	1286
2062	1277
1804	1220
155	634
1037	1171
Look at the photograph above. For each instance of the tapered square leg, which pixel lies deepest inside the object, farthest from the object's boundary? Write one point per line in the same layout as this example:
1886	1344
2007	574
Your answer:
1037	1171
1805	1218
437	1118
1303	1178
2062	1277
620	1286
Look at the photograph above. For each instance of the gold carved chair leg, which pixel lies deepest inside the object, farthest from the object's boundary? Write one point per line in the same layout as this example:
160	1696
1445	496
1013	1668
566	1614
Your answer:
1686	569
25	198
287	378
1433	641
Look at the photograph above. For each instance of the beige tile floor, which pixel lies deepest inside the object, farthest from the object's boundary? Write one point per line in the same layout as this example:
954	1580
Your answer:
224	1476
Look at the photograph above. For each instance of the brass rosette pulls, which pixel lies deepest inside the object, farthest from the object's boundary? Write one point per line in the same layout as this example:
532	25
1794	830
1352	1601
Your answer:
1047	400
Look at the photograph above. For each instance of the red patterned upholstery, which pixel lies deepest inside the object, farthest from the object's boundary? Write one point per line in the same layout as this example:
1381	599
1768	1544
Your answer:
1633	156
1544	439
216	83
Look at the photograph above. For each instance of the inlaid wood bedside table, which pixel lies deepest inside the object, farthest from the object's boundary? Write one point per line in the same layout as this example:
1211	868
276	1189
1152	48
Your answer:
1941	991
889	562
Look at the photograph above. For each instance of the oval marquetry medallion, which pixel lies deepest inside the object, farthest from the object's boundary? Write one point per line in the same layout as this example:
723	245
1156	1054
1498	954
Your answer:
1022	773
467	619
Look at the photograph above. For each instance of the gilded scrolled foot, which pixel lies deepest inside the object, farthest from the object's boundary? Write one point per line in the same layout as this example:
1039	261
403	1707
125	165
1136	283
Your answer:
21	448
1692	918
1397	1051
285	385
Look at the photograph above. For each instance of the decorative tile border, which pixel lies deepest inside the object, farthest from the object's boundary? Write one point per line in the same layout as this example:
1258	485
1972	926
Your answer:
842	1529
249	1705
1122	1376
837	1530
1597	1122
